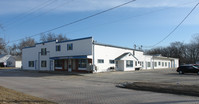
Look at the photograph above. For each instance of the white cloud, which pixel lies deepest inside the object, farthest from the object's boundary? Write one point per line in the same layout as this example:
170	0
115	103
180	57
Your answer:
23	6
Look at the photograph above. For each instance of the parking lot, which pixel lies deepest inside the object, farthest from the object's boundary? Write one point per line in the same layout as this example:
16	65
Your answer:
98	88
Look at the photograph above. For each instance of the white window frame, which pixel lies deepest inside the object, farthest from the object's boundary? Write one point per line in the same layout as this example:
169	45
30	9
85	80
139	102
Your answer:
129	63
58	48
100	61
70	46
43	65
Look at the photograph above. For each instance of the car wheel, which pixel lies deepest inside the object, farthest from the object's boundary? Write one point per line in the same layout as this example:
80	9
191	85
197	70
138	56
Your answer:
181	72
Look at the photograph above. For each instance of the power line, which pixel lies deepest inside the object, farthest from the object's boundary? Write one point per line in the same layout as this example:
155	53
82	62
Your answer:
28	11
50	10
130	17
176	26
79	20
31	11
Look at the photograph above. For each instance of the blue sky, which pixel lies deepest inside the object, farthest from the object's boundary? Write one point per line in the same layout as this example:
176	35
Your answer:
143	22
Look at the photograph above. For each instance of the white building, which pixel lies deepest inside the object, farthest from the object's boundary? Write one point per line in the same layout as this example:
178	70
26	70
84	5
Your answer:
7	61
78	55
18	61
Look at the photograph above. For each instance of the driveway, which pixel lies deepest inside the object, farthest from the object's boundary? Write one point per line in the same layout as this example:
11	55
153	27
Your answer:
97	88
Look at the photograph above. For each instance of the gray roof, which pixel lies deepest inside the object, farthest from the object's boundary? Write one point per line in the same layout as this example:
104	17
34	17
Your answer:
116	46
123	55
18	58
4	57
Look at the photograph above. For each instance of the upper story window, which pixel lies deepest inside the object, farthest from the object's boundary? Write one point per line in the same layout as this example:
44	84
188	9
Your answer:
43	51
100	61
58	47
70	46
129	63
111	61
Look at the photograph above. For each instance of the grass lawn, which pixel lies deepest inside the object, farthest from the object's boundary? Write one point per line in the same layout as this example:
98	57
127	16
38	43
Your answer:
8	96
7	68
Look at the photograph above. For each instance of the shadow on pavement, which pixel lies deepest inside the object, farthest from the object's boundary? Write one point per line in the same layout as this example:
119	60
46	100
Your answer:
25	73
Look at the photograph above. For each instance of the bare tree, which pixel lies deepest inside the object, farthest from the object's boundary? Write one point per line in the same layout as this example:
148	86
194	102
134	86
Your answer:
52	36
2	42
2	46
13	50
28	42
175	49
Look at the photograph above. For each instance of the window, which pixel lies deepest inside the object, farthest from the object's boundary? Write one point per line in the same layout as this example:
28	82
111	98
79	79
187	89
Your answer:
43	51
165	63
31	63
43	63
111	61
162	63
100	61
155	64
116	64
58	48
70	46
135	63
148	64
58	63
82	63
159	63
142	63
129	63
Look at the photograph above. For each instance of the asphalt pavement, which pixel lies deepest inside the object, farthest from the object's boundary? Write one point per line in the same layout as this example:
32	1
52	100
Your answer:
98	88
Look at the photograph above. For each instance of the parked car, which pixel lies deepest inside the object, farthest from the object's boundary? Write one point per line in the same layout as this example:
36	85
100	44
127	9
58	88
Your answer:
188	69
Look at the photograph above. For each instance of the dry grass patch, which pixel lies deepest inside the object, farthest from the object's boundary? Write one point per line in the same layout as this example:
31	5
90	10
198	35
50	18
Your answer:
191	90
8	96
1	68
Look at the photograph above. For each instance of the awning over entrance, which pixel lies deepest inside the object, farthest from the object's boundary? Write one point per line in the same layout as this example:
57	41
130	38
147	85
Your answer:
69	57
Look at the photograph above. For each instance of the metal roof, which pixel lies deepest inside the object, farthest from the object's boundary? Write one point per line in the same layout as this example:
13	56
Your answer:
4	57
124	54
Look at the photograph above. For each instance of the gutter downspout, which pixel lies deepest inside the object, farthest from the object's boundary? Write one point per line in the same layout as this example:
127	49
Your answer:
153	63
93	66
39	60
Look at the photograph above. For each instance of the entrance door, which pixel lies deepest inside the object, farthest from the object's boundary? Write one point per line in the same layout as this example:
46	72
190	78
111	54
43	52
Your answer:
35	64
51	65
69	65
146	65
65	64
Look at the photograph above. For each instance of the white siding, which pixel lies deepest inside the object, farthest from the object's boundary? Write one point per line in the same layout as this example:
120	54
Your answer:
84	47
80	47
10	62
29	54
108	53
18	64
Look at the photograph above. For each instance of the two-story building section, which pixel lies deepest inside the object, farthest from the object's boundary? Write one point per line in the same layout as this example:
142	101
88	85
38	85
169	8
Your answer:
85	55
